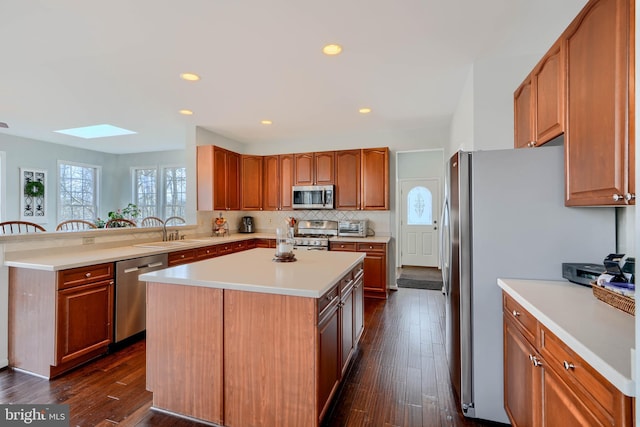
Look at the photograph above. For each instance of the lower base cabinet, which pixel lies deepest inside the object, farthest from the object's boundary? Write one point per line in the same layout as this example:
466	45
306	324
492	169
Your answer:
59	320
547	384
375	265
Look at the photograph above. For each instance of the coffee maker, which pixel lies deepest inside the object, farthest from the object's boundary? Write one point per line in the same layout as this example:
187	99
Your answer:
246	225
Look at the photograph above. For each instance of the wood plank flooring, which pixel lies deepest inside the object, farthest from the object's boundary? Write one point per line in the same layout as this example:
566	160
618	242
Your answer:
399	377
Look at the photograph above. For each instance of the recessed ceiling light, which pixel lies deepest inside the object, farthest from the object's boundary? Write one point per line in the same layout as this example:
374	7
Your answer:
190	77
365	110
97	131
266	122
332	49
186	112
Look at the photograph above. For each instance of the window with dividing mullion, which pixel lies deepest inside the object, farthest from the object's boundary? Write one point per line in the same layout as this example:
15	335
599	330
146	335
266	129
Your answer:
146	191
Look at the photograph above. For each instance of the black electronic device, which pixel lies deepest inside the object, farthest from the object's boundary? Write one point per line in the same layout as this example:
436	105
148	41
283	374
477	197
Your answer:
582	273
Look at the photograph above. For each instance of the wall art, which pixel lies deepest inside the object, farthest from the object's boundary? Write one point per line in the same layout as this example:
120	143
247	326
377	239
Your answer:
33	195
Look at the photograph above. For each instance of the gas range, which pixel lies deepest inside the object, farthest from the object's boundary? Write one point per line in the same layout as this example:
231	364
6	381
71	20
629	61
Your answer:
314	234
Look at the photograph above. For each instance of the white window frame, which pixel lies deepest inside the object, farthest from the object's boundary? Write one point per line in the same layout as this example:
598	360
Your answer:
98	180
163	194
160	186
134	187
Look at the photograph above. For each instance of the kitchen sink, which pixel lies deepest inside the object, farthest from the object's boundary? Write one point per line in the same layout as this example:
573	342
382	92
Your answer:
161	245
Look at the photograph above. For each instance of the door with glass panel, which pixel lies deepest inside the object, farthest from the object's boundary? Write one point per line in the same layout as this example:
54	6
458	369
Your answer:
420	205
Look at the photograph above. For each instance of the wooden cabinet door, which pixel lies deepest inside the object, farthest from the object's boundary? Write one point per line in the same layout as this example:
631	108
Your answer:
251	183
375	273
271	183
347	180
599	138
375	179
233	181
523	123
347	324
549	96
204	177
220	189
358	309
522	379
303	169
84	320
287	168
329	358
323	165
562	407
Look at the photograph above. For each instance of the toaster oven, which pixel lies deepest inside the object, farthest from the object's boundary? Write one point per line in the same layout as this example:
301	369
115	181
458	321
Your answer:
353	228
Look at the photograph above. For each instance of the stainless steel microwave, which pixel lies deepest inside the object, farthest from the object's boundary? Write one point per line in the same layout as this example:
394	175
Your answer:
313	196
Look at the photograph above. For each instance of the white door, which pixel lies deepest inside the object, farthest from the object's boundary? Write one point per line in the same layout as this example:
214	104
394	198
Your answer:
420	211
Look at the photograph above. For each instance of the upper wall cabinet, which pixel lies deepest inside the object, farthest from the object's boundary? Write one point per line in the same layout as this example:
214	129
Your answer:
314	168
600	139
251	183
277	182
348	181
375	179
539	102
218	178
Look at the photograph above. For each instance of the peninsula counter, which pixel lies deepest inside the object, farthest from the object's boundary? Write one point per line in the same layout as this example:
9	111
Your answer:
243	340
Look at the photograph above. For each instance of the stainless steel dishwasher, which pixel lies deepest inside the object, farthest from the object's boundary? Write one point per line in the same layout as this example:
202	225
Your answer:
131	294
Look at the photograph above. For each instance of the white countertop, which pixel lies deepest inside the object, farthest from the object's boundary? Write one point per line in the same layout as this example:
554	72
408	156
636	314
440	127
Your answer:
64	258
600	334
314	272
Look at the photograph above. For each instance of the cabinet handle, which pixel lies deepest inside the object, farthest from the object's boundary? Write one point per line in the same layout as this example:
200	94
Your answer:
535	360
568	365
531	144
617	197
331	297
629	197
515	313
181	256
87	275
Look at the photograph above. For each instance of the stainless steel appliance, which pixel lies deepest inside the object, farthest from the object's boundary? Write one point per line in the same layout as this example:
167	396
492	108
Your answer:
312	196
314	234
353	228
131	294
246	224
504	216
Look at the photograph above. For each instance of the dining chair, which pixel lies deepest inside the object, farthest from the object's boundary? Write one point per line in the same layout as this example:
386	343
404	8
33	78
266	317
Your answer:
19	227
176	220
119	222
151	221
75	225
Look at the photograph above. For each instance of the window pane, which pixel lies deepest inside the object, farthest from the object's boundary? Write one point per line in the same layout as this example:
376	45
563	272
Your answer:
146	196
419	209
175	191
77	185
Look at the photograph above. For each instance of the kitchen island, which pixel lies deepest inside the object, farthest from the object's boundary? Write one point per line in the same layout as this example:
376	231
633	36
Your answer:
243	340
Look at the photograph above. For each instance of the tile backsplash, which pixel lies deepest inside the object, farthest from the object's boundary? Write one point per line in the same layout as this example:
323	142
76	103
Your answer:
268	221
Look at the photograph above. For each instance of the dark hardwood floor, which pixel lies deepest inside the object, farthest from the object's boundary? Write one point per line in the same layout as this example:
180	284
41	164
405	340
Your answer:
399	376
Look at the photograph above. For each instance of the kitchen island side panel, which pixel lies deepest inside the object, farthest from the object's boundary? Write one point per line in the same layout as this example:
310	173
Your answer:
269	359
184	350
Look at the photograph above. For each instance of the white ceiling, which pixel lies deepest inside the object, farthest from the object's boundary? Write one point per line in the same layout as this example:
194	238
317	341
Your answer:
71	63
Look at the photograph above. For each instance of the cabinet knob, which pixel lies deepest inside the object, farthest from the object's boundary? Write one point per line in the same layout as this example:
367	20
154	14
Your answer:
535	360
617	197
629	196
568	365
531	144
87	275
515	313
181	256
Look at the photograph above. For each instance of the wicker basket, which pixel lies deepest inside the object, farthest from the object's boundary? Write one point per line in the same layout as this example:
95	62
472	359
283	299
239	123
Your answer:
626	304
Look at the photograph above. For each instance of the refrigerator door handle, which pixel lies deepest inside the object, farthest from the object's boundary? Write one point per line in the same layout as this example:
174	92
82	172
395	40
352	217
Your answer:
445	246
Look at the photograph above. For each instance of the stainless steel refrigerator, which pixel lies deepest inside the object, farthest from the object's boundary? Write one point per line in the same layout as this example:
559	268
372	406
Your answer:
504	216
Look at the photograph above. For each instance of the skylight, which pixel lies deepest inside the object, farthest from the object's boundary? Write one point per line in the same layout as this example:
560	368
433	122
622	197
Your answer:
97	131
